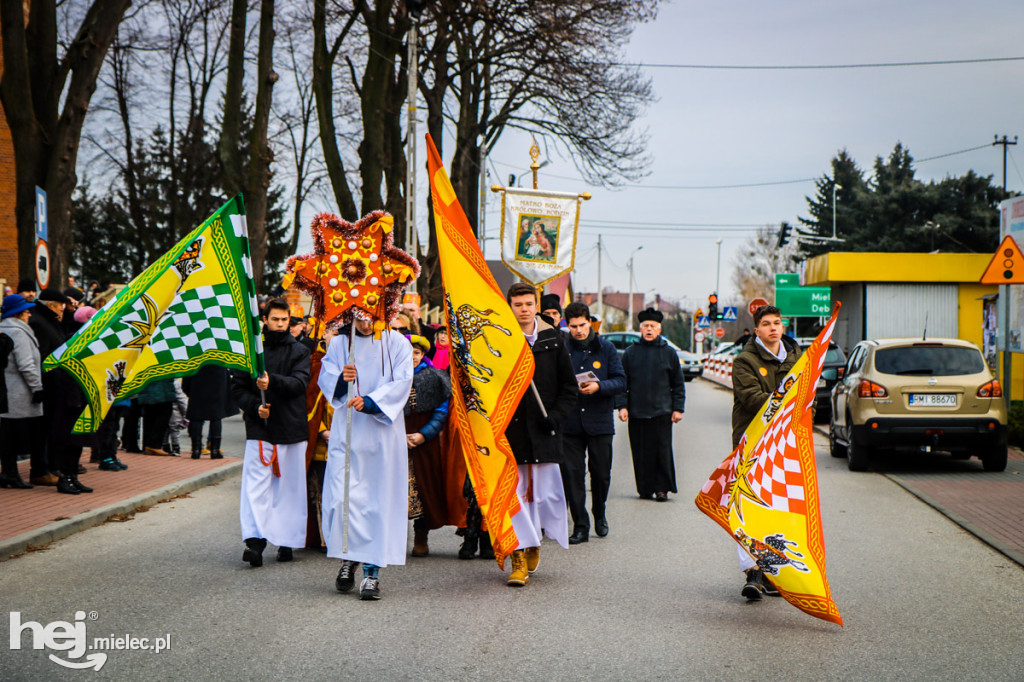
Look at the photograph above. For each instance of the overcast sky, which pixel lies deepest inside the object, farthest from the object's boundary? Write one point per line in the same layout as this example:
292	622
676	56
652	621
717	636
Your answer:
736	127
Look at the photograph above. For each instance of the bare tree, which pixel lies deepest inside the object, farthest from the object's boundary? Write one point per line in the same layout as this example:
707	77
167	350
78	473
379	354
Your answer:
757	262
47	129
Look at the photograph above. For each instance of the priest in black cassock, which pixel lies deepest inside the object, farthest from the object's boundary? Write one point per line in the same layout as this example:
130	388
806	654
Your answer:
652	403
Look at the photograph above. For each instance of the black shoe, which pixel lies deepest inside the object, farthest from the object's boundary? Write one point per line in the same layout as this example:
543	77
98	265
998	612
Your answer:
109	465
14	481
579	536
81	488
284	554
346	579
601	527
82	469
216	454
468	548
752	589
121	465
369	589
486	550
661	497
768	588
254	551
67	486
195	454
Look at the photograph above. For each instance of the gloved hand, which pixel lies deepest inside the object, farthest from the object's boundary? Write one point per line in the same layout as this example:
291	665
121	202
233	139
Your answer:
549	424
37	397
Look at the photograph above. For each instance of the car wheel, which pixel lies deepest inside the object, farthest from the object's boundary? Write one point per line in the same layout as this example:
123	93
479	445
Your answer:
858	457
994	459
834	447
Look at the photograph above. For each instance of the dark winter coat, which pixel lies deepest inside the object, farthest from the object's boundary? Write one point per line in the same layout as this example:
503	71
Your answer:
58	385
654	380
287	363
755	376
534	438
49	333
158	392
209	394
594	414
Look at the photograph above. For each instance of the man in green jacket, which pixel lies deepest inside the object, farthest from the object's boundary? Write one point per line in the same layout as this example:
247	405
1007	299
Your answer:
756	372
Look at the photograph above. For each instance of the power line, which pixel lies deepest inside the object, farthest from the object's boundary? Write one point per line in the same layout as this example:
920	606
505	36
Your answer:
816	67
640	228
662	224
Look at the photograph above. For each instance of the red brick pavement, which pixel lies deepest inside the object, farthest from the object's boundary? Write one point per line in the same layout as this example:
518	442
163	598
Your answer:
988	505
27	510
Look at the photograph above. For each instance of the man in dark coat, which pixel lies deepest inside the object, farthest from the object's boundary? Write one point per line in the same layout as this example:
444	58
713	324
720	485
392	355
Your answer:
273	505
590	427
756	372
534	438
654	400
209	400
63	400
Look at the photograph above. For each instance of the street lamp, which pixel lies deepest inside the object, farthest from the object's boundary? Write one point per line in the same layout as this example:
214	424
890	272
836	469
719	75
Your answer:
835	186
629	326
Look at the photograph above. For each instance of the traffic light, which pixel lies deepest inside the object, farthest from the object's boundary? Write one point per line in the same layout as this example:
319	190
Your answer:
713	307
784	230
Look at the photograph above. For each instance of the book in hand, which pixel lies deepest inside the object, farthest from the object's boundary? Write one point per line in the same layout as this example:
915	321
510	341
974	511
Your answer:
586	377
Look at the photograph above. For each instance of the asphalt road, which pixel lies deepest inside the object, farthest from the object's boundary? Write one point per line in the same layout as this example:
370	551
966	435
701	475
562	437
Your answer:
658	598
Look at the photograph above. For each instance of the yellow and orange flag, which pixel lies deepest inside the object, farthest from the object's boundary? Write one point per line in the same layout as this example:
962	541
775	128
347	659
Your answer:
491	362
765	494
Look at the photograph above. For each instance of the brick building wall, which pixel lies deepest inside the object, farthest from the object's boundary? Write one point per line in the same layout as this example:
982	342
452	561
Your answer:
8	226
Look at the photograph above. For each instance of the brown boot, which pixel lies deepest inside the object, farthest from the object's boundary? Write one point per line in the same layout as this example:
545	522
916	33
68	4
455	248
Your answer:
532	559
419	542
519	575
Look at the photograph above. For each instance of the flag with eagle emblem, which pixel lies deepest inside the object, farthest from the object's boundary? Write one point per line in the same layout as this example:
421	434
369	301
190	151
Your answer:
765	494
194	306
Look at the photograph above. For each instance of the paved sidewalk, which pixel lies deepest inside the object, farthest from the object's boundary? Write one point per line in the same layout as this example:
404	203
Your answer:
34	518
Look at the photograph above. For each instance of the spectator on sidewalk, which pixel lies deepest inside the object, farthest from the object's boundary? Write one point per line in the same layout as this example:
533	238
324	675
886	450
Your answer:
63	400
209	401
21	428
177	422
107	433
27	289
157	401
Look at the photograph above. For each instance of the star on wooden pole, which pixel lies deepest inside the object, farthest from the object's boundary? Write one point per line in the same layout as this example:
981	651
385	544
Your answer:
354	270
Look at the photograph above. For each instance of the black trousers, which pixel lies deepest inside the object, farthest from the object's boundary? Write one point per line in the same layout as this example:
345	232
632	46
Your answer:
130	430
20	436
155	419
654	467
575	449
108	431
195	433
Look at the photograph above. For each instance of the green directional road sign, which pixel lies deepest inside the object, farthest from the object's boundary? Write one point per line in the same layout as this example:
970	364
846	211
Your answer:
787	280
804	301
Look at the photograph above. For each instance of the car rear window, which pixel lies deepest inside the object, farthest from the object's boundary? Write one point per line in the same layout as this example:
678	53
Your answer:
939	361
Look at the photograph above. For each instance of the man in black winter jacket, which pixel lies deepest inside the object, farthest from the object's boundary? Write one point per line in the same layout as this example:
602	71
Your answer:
273	505
534	438
653	402
590	427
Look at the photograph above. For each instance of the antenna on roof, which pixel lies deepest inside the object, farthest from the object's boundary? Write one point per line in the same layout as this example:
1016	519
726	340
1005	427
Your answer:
924	336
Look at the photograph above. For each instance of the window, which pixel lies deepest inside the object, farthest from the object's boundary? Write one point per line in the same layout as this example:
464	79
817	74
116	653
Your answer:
939	361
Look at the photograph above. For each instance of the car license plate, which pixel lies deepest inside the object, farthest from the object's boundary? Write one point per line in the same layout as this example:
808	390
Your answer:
933	399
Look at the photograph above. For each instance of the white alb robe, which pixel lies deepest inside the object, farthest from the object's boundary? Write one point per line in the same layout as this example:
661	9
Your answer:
546	512
274	507
379	474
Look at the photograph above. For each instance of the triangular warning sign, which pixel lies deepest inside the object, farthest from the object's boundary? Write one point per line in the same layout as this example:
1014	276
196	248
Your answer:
1007	266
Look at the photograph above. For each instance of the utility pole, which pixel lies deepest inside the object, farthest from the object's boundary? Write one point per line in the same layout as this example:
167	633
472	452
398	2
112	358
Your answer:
600	293
411	240
1004	294
629	324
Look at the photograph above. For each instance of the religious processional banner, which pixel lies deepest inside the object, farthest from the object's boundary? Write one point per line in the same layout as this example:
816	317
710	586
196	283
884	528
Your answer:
491	362
194	306
538	232
765	494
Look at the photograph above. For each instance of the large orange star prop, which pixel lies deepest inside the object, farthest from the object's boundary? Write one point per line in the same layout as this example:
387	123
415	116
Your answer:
355	269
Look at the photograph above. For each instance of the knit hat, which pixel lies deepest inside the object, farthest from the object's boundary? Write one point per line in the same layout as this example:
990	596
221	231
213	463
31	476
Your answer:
84	314
551	302
14	304
72	292
26	284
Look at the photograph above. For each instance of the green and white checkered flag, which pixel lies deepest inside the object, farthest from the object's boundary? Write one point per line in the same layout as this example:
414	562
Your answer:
195	306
